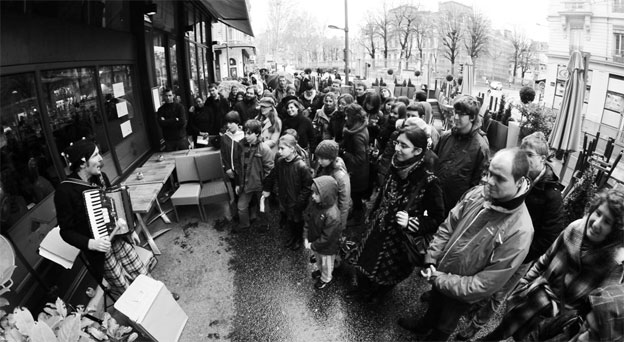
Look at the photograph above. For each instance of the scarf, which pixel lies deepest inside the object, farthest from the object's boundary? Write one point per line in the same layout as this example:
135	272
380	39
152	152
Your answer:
329	111
403	168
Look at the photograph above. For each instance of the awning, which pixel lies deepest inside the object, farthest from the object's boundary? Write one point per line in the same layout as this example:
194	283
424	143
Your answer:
233	13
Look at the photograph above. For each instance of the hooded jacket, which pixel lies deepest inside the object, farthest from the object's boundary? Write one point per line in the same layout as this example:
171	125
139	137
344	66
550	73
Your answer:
230	149
462	160
323	219
355	155
338	170
480	245
545	206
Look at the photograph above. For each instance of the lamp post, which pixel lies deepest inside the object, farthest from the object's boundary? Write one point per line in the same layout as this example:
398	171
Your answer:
346	31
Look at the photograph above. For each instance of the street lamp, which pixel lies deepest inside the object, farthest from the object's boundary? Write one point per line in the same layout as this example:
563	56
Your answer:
346	31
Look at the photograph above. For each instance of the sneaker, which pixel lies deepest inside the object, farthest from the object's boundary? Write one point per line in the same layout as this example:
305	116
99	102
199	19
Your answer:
468	332
316	274
414	325
321	284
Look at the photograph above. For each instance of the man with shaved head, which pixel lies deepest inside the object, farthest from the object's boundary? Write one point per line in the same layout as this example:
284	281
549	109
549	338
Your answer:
479	246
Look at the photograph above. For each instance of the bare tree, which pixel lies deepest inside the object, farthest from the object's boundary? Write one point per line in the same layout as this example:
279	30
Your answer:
404	22
528	58
383	22
302	46
279	12
450	28
367	37
520	42
422	33
476	36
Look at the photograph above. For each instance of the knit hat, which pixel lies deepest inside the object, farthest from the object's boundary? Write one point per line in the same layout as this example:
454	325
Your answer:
327	149
79	152
266	102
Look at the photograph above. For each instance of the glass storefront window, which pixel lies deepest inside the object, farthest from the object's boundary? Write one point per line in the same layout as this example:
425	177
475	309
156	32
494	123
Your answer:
28	174
202	66
71	100
160	61
193	79
175	83
126	126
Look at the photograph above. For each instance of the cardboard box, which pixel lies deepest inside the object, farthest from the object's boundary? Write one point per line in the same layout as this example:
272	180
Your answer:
151	307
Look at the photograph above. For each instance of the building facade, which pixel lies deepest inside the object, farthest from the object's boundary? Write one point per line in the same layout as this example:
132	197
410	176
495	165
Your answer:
235	53
595	28
92	69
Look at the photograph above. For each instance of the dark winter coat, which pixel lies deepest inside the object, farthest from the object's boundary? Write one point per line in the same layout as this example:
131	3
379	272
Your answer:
462	160
294	181
302	125
354	149
215	112
246	110
545	207
336	126
382	255
313	104
321	127
172	121
71	213
323	219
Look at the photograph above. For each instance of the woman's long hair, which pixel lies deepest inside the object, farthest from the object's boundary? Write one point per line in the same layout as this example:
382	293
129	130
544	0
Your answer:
276	123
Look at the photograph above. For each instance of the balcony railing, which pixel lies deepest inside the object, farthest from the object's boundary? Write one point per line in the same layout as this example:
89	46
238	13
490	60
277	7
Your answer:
576	7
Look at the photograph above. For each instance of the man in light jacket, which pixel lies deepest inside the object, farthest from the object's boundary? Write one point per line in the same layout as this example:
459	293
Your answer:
480	245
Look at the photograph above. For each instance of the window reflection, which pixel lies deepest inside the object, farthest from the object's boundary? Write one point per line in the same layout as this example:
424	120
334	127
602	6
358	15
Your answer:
160	62
71	100
27	172
126	126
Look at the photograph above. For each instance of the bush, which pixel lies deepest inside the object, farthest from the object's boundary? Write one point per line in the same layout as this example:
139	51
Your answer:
536	118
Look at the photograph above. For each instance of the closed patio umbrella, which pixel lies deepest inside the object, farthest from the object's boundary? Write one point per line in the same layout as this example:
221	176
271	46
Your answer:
566	133
468	76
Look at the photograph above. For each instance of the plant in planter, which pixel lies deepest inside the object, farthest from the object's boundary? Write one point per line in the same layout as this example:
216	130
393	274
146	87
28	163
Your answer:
55	324
535	118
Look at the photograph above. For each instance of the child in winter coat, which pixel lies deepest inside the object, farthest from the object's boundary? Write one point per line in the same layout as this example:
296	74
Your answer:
329	164
229	149
294	178
323	227
255	162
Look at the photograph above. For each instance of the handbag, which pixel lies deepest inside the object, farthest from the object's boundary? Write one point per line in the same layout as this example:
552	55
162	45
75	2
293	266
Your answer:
415	244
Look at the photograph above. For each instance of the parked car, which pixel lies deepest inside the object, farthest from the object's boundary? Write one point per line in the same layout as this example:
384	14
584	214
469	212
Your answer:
496	85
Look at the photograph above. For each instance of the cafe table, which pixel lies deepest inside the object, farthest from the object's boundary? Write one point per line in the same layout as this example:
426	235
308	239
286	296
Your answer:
143	198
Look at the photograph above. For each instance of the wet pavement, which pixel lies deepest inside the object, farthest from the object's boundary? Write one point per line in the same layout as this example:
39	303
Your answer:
248	287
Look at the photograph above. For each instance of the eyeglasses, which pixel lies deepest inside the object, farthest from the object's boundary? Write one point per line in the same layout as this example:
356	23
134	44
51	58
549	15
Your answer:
401	145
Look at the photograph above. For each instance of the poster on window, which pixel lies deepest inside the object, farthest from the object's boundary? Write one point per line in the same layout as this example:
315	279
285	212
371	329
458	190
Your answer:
557	102
614	102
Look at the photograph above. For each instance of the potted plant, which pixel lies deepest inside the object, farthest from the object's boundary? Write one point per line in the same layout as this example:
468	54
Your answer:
57	324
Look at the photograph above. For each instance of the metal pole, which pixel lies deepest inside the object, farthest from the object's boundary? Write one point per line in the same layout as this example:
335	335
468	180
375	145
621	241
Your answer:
346	55
227	53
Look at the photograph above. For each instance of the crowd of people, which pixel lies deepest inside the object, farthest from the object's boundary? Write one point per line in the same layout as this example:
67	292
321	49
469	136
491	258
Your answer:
482	229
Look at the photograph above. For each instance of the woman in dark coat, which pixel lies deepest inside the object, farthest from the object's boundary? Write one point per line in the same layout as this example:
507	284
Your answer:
354	152
337	121
410	204
297	119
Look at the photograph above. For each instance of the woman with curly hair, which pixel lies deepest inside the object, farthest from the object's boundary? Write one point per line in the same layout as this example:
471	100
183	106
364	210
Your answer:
586	255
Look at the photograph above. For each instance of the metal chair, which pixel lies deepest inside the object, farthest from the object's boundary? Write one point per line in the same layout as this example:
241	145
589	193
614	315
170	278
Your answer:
190	185
211	177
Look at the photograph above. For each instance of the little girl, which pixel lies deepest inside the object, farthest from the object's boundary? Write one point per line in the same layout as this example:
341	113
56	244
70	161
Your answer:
323	222
294	180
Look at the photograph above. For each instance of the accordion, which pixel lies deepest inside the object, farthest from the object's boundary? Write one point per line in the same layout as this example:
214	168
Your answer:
105	208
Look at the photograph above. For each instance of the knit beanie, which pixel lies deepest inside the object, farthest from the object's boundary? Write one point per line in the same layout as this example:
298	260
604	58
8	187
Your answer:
327	149
79	152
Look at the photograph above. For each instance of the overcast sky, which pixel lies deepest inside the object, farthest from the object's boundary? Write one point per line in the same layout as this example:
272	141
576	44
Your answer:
504	14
